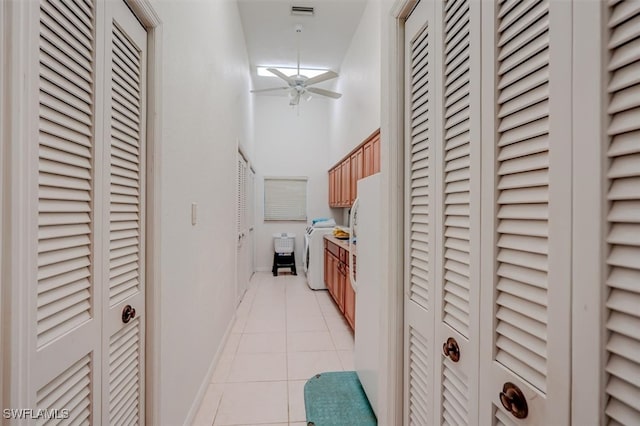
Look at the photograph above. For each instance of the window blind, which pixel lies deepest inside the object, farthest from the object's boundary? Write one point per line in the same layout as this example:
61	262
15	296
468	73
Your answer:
285	198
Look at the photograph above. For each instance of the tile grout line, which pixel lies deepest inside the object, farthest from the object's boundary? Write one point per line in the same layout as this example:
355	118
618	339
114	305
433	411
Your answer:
286	351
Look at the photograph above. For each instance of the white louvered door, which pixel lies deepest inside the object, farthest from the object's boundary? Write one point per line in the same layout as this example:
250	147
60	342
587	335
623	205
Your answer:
420	349
622	318
488	211
67	313
124	219
243	232
526	304
457	219
91	155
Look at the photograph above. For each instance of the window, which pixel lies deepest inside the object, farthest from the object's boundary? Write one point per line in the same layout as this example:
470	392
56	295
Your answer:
285	198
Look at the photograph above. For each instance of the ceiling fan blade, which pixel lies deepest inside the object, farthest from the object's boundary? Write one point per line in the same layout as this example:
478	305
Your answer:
324	92
320	78
280	74
270	90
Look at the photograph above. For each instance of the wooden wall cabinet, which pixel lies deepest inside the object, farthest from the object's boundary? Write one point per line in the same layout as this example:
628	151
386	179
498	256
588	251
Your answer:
363	161
345	184
357	172
336	278
375	147
334	192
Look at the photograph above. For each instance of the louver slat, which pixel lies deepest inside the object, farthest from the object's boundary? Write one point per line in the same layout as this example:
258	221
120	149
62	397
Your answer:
70	390
418	379
419	177
65	170
455	399
523	186
123	375
457	164
622	389
124	256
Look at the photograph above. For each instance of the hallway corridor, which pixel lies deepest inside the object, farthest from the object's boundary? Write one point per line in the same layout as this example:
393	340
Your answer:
284	333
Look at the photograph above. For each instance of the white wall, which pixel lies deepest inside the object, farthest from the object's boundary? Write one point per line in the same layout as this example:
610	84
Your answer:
206	110
357	114
290	142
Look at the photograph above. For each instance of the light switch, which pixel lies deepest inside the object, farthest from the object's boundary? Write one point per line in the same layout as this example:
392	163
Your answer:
194	213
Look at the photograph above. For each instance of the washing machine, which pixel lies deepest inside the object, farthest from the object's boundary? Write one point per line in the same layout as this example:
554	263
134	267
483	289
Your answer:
313	256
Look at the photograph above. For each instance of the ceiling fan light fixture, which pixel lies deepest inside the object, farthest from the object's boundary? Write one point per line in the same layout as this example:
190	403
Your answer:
302	11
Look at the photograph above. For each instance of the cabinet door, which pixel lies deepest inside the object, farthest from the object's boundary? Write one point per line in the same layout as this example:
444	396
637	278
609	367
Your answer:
345	183
330	186
334	190
327	271
337	188
341	281
376	154
356	173
349	301
367	159
333	277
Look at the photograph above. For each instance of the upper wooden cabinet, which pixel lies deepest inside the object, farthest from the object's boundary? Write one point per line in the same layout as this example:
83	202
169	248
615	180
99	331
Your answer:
363	161
345	184
357	171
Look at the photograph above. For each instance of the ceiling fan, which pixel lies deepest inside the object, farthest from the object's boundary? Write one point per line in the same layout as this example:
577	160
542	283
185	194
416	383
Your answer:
299	86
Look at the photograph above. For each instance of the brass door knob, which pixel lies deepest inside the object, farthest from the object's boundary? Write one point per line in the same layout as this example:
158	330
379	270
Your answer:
451	349
128	313
513	400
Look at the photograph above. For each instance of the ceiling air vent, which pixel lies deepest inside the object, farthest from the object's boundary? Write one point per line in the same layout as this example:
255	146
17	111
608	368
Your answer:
302	10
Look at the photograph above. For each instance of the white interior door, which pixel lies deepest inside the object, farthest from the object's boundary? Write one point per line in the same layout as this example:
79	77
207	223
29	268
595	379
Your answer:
241	225
251	213
622	294
457	208
91	74
526	304
66	310
420	349
443	212
124	218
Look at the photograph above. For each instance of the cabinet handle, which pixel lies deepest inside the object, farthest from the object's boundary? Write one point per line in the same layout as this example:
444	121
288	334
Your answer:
513	400
451	349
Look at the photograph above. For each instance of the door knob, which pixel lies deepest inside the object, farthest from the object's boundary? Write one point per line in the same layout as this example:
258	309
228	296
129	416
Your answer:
513	400
128	313
451	349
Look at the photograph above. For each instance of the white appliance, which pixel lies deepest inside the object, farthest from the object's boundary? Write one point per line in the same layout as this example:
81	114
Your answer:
313	256
365	225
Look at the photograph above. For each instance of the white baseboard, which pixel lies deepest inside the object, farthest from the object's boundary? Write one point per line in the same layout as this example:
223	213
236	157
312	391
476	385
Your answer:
193	411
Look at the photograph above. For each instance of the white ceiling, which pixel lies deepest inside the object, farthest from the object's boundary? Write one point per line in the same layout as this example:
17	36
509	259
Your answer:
269	30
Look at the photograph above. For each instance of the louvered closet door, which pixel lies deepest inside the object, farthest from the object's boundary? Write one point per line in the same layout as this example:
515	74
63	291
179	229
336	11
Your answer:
622	319
242	218
66	311
526	288
124	222
457	207
420	349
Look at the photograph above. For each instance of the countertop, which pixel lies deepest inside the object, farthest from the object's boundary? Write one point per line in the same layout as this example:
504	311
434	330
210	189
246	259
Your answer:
342	243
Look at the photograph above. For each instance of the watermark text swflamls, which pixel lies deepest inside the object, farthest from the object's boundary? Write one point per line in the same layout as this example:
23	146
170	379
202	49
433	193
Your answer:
35	414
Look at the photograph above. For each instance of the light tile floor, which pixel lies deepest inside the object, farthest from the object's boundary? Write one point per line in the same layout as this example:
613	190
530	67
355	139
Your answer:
284	334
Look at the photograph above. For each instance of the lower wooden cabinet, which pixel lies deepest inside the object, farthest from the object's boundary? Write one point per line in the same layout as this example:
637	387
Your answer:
349	302
336	278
